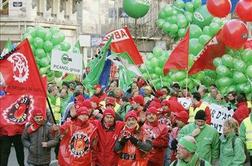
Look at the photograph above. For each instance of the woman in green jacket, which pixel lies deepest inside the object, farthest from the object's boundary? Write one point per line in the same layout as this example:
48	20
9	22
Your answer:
231	148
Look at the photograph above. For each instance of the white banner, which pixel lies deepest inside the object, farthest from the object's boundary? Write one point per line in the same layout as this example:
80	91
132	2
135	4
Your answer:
185	102
219	115
66	62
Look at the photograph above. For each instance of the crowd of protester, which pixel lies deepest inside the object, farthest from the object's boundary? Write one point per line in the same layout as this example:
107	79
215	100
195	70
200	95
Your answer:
140	126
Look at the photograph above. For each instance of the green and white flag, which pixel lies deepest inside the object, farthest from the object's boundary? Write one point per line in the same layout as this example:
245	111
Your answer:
7	48
124	60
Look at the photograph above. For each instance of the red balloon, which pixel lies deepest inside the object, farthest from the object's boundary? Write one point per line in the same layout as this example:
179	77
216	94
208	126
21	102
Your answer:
234	34
218	8
244	10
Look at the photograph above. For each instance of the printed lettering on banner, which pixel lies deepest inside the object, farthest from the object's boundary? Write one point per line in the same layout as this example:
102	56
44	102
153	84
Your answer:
219	115
185	102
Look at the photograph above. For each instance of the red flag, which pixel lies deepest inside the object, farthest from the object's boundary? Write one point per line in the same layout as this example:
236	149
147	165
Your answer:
123	42
214	48
20	78
179	56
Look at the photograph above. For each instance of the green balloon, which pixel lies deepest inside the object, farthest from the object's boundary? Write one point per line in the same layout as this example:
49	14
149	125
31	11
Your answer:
189	7
181	32
43	70
29	29
160	22
247	56
57	74
33	33
241	87
217	62
180	75
182	22
162	14
136	8
247	88
38	42
202	17
194	46
173	28
56	39
65	46
48	35
207	81
172	19
48	46
214	28
203	39
168	11
179	4
224	82
206	31
231	88
30	38
44	62
196	4
40	53
227	60
166	27
195	31
239	65
158	70
223	71
40	31
154	62
249	71
239	77
189	16
157	51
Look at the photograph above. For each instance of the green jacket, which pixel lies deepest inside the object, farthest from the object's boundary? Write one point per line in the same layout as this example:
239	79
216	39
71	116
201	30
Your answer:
231	151
207	141
243	132
195	161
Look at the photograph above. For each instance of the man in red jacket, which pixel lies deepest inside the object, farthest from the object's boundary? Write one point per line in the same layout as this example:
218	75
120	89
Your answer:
242	110
158	133
108	131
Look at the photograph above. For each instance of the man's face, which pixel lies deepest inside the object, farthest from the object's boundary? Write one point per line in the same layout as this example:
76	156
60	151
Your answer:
231	97
179	123
39	120
131	122
83	117
109	119
80	89
200	123
213	91
182	153
164	91
151	117
97	90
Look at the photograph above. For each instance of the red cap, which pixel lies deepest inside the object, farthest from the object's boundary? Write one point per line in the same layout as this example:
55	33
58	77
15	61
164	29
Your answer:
38	112
95	99
131	114
159	93
87	103
155	104
152	110
182	116
139	99
97	86
110	100
82	111
109	111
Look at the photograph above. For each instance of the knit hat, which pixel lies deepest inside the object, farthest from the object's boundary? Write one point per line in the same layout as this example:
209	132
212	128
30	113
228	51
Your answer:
38	112
95	99
191	147
152	110
155	104
182	116
139	99
131	114
87	103
200	115
109	111
110	101
82	111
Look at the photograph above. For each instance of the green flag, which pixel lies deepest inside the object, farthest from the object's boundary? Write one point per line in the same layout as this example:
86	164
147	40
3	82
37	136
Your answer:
125	78
7	48
96	67
124	60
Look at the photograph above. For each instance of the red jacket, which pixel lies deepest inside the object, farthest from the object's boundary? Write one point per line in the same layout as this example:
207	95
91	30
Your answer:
104	154
77	144
159	136
241	112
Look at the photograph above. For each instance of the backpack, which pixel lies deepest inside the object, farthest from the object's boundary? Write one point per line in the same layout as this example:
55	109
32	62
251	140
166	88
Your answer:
202	162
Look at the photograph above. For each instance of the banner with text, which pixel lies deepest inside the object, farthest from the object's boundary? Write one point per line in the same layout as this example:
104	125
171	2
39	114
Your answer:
219	115
66	62
185	102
